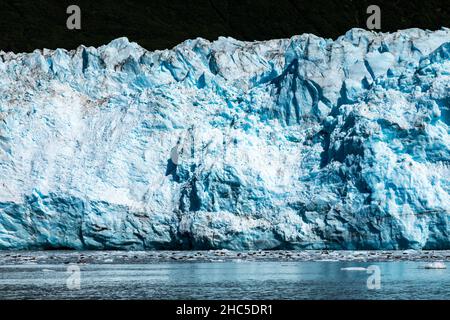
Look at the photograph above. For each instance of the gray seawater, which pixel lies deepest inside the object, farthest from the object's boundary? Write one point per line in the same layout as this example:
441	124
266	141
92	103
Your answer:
225	280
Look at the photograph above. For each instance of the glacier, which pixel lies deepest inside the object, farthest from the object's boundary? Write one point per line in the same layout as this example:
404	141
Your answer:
300	143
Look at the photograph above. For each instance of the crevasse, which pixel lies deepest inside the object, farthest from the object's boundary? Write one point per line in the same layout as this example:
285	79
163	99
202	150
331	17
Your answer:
301	143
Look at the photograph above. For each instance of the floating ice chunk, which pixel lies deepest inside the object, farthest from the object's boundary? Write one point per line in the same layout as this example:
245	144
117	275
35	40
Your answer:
327	260
354	269
436	265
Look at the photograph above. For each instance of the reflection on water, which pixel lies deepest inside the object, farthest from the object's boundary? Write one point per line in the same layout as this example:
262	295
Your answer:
225	280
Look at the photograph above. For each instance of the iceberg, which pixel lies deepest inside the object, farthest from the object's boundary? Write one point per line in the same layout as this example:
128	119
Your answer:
300	143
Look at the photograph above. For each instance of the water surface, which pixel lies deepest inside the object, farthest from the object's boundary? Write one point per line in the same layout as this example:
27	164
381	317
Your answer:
225	280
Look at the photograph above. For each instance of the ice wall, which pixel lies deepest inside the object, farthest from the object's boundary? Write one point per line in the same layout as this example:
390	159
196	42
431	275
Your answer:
301	143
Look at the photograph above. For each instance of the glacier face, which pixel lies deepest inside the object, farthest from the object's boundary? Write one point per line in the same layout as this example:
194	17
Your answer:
301	143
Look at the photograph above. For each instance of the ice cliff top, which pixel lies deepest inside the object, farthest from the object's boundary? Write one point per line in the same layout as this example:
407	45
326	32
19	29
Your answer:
293	143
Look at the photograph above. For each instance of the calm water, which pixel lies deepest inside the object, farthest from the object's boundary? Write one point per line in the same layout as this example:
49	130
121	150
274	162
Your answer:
225	280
